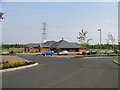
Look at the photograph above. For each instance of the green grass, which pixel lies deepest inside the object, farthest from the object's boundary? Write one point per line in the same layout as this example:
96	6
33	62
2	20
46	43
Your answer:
12	51
16	50
11	54
38	54
95	55
79	56
118	61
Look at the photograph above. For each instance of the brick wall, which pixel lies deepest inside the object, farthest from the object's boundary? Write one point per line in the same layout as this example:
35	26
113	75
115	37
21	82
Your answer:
44	49
32	50
82	50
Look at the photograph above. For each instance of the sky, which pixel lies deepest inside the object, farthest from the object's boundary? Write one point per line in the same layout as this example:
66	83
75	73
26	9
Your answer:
22	23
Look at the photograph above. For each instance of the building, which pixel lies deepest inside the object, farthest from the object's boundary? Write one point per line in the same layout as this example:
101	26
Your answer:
64	45
55	46
38	47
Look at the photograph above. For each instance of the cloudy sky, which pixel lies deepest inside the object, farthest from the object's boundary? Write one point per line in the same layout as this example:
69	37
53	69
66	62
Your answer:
22	23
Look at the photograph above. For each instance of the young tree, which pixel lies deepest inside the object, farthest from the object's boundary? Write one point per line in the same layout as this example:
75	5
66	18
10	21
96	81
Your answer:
82	37
111	38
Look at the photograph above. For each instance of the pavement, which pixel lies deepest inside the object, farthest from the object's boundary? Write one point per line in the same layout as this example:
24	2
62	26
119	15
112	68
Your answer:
12	58
53	72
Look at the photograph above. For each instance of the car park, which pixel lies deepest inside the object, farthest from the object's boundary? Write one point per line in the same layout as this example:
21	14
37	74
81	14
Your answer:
64	52
48	53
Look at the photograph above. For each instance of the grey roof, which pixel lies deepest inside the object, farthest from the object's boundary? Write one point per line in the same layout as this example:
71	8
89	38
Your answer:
65	44
53	44
33	45
48	43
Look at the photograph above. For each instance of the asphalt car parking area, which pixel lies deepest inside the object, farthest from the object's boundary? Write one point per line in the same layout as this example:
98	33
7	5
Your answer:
64	73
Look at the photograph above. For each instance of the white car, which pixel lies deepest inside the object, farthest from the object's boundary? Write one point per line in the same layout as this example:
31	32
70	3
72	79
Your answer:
65	52
110	52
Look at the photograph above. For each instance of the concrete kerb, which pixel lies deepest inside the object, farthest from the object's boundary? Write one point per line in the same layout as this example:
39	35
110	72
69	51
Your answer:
19	68
116	62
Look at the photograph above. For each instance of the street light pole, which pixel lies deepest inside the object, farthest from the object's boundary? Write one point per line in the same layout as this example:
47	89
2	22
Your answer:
100	38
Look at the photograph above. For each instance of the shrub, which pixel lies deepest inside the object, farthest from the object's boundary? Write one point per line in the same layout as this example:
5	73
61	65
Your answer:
11	52
11	64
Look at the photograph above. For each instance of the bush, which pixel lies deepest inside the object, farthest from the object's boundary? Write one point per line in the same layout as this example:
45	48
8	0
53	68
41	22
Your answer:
10	64
11	52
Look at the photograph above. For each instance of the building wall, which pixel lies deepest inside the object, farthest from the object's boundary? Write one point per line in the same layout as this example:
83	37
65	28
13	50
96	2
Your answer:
32	50
44	49
69	49
41	50
26	49
82	50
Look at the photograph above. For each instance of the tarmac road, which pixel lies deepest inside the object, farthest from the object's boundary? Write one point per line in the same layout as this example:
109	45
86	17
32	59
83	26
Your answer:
55	72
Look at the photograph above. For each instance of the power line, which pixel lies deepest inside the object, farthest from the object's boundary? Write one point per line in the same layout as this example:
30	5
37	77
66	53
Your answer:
44	33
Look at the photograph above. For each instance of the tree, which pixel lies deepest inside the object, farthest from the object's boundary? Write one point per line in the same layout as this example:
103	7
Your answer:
83	38
111	38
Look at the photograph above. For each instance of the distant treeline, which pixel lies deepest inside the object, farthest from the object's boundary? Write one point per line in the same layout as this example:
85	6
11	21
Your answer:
97	46
103	46
7	46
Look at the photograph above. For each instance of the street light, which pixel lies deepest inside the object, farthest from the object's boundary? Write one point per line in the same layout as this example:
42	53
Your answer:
100	37
1	16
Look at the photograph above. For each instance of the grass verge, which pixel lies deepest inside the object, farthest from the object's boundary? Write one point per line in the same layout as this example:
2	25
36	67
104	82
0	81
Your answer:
95	55
38	54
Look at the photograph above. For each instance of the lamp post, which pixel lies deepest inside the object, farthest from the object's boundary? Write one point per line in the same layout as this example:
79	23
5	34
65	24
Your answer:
1	15
100	38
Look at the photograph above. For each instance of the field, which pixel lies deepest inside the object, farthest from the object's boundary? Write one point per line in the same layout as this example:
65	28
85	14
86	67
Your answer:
15	50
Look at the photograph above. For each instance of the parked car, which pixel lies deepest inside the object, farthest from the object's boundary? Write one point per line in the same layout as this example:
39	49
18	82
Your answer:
64	52
102	52
48	53
83	53
110	52
91	52
117	51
